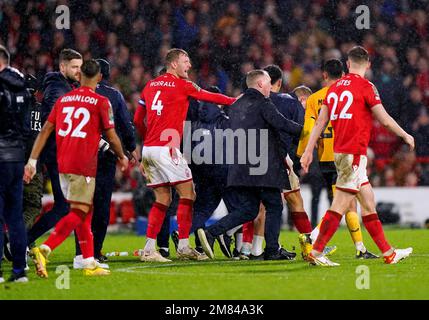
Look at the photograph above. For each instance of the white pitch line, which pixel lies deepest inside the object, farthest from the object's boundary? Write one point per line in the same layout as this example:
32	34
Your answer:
167	265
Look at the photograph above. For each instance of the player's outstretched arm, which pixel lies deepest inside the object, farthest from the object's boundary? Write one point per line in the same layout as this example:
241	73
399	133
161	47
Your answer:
203	95
389	123
39	144
116	146
319	126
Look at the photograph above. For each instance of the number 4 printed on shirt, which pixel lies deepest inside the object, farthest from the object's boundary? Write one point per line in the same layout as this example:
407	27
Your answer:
157	104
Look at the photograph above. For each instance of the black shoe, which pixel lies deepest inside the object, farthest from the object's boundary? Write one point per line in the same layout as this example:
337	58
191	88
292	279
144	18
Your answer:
260	257
225	244
175	238
235	254
164	252
282	254
18	277
199	249
366	255
101	258
207	242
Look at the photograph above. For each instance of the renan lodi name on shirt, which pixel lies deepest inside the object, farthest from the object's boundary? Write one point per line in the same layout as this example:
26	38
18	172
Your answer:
79	98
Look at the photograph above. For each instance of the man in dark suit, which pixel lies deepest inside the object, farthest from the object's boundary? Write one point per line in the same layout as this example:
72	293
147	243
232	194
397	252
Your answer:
254	179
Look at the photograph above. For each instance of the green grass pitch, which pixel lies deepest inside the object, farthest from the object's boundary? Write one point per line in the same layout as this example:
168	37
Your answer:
227	279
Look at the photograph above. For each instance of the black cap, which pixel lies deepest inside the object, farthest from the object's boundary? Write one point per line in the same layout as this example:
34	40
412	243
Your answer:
105	68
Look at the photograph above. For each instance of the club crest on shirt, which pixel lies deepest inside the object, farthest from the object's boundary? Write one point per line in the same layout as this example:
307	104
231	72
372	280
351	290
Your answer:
196	86
377	95
111	117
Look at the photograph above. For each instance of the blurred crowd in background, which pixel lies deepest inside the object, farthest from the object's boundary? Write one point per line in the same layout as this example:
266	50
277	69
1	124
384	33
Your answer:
227	38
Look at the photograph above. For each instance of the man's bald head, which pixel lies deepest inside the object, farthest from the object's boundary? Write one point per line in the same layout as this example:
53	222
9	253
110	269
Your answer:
259	80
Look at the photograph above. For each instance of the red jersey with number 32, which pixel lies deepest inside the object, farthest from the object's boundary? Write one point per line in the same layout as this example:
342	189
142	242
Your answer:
80	117
166	99
349	101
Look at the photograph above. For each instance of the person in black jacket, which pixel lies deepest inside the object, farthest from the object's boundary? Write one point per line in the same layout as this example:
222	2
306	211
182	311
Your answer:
54	86
106	165
252	182
14	128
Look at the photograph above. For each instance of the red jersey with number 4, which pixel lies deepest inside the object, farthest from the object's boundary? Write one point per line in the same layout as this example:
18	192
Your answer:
80	117
349	101
166	99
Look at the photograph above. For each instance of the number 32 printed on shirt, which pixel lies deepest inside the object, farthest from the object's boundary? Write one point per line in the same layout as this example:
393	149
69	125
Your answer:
77	132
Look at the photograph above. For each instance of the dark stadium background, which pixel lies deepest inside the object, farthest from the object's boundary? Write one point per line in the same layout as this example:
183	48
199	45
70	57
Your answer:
226	39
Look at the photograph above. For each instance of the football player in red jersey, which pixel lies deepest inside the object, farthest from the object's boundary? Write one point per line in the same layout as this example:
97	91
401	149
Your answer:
78	118
350	104
166	101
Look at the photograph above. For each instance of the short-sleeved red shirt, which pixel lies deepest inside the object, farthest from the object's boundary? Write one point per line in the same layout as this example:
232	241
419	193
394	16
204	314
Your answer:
166	100
349	101
80	117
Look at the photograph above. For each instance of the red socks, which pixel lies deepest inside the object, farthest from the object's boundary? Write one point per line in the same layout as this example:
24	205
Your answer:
375	229
156	218
184	217
329	225
64	227
301	222
85	237
248	230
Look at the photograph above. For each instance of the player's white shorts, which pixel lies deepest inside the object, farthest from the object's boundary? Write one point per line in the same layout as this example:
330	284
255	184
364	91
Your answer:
351	171
165	166
293	178
77	189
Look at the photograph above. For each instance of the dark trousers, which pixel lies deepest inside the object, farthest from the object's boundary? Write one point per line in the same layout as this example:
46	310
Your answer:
245	207
209	192
104	183
327	179
330	178
11	191
59	210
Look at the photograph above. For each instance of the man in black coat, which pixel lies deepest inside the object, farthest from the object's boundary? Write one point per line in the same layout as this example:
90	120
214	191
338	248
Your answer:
14	128
256	173
55	85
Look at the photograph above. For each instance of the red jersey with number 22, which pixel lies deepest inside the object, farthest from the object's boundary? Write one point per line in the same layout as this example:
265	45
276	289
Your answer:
80	117
166	99
349	101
